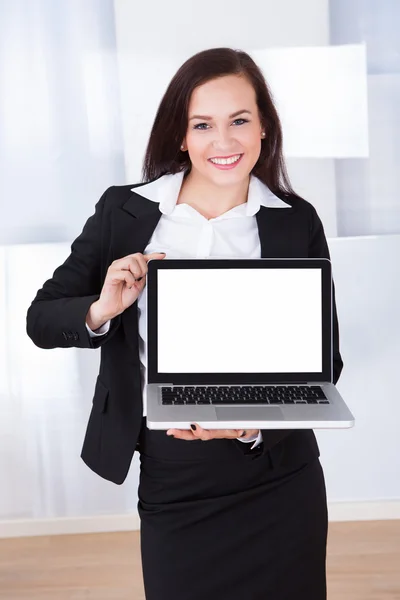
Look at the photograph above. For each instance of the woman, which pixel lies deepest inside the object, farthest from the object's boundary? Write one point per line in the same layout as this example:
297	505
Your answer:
222	516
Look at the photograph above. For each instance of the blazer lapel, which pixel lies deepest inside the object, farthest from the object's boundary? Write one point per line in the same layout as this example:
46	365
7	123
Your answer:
133	225
278	233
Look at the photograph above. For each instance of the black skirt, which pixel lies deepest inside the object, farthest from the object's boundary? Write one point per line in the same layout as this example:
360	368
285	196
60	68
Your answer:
218	526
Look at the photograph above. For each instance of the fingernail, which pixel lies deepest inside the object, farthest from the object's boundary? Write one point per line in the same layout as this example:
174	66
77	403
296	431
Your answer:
193	426
169	432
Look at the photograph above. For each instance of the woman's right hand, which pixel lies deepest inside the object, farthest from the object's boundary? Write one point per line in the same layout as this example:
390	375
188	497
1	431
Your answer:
125	279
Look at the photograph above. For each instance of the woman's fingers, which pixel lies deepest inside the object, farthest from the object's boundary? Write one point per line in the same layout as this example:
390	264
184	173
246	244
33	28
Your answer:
182	434
211	434
204	434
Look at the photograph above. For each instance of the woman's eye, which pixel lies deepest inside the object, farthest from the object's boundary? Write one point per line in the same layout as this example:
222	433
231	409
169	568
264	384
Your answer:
199	124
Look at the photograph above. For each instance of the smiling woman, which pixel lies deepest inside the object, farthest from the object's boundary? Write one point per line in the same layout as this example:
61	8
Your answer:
220	517
217	126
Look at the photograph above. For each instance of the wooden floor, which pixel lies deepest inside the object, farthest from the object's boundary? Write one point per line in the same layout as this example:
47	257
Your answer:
363	564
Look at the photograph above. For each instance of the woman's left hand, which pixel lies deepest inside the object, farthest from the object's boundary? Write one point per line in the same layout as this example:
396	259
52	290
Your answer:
210	434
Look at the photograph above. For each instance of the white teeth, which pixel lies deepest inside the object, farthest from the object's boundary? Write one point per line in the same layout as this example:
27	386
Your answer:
225	161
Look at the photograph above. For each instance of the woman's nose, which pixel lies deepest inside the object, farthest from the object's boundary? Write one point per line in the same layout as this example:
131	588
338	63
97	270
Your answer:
224	141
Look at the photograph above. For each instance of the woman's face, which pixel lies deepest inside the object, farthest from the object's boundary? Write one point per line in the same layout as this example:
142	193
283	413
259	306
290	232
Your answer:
220	134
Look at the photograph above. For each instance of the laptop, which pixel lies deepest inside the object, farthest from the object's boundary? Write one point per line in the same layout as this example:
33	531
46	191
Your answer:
241	343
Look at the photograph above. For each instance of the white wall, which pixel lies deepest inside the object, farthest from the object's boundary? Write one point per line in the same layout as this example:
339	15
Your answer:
169	28
363	463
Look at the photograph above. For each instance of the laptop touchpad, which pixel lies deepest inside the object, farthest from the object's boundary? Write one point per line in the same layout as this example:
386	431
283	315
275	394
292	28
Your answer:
270	413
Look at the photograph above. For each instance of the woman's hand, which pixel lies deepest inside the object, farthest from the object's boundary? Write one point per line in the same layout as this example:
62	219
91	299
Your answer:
211	434
125	279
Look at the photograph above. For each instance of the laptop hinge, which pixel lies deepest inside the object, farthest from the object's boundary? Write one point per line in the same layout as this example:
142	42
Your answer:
166	383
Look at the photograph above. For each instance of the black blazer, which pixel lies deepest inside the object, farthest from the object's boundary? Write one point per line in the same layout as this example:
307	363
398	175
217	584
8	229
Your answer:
122	224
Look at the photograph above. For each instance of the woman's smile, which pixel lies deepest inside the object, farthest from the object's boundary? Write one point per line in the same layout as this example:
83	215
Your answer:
226	163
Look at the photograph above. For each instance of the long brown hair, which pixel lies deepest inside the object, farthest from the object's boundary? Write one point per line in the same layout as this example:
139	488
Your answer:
163	154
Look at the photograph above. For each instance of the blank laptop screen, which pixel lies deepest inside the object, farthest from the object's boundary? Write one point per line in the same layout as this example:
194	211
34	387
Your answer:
239	320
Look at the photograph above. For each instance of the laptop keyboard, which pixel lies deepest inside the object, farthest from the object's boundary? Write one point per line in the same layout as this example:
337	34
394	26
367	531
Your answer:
243	394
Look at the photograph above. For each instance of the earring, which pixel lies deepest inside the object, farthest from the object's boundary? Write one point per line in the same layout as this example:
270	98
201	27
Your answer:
182	147
263	134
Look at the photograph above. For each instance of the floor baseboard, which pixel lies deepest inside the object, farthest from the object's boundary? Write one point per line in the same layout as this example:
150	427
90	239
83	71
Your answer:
337	511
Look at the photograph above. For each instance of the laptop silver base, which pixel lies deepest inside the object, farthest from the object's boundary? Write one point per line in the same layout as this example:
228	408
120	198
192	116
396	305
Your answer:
249	416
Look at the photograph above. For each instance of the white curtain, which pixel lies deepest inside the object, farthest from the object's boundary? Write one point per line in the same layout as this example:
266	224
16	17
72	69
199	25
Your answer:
61	138
60	148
